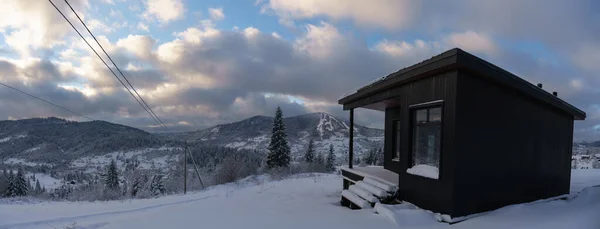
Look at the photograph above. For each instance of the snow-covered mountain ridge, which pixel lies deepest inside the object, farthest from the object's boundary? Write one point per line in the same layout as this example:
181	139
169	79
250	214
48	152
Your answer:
54	140
324	129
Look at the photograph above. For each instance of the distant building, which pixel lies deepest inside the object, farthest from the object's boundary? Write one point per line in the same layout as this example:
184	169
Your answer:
464	136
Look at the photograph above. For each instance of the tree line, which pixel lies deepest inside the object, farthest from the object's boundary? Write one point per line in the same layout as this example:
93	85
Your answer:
217	165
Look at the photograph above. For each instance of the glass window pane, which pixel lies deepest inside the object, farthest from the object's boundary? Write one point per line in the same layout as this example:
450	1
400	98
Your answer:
421	115
426	142
397	143
435	114
426	145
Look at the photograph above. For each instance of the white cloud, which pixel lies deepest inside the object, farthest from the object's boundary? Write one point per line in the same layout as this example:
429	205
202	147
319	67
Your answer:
170	52
108	2
202	74
473	42
142	26
216	14
132	67
69	54
97	26
137	44
469	41
389	14
33	25
406	49
577	84
164	10
251	32
319	41
195	36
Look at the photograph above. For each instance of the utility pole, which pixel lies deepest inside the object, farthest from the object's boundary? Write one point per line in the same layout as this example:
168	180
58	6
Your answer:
197	173
185	169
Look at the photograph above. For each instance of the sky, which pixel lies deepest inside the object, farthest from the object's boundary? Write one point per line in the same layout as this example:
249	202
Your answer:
207	62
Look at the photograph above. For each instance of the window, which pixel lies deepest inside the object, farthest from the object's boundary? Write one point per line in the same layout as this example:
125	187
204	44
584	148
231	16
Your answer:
396	155
426	139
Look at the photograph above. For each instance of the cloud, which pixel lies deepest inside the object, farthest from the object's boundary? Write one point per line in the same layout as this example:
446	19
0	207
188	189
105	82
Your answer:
203	76
164	10
32	26
473	42
389	14
406	49
319	41
216	14
98	26
143	27
139	45
199	76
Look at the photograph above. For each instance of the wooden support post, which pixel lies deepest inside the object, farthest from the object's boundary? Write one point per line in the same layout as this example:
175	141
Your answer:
351	139
185	170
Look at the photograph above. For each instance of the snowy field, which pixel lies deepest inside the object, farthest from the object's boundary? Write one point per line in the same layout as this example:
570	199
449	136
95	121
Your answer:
303	201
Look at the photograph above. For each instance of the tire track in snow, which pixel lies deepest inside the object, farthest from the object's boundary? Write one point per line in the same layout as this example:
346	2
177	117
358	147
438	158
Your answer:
74	218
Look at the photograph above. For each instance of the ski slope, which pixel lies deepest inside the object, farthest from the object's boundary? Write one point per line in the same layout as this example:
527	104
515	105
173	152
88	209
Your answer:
304	201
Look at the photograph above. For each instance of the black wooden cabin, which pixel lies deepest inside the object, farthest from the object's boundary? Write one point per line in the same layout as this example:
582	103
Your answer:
495	138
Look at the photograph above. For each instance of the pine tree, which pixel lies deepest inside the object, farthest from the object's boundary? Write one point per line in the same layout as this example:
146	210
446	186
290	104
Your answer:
12	188
319	159
38	187
157	187
112	176
309	156
279	150
21	183
330	163
379	157
370	157
138	184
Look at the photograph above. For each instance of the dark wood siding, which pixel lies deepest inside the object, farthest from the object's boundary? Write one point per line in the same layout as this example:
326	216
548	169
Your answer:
509	147
424	192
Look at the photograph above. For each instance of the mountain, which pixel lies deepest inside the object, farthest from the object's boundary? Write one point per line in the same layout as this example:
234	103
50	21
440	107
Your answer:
55	140
587	144
324	129
59	140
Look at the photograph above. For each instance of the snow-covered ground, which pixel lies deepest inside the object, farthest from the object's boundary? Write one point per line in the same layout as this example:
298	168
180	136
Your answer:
19	161
46	180
92	162
303	201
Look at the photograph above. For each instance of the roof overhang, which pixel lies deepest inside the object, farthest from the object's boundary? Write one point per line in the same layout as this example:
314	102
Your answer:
371	96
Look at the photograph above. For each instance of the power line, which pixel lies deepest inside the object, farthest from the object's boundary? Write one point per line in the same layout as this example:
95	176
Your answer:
48	102
105	64
114	64
148	109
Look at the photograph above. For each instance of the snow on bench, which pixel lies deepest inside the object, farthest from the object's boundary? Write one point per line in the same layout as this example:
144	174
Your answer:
363	194
372	189
355	199
379	184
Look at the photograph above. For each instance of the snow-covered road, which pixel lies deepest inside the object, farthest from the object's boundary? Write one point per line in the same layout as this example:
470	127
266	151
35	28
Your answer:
304	201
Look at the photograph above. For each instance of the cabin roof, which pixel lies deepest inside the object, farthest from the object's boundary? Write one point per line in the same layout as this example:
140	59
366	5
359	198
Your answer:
459	59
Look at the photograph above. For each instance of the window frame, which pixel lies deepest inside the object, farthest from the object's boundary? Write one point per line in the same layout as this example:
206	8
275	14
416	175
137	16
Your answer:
396	136
412	125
